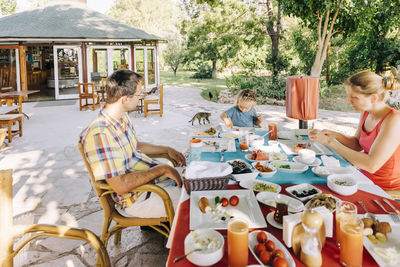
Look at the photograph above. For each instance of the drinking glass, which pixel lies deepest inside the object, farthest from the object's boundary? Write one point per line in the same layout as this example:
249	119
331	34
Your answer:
273	127
281	208
238	242
351	242
243	140
345	210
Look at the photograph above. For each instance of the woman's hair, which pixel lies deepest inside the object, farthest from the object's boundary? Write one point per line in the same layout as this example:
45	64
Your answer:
246	98
121	83
367	82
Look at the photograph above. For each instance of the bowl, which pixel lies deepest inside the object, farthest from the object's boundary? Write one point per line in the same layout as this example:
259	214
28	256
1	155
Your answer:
211	251
244	176
343	184
256	140
265	164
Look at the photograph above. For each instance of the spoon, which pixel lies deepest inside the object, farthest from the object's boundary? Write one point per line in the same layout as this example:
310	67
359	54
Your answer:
177	259
367	214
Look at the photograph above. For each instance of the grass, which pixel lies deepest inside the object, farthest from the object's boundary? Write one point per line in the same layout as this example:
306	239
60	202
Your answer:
333	99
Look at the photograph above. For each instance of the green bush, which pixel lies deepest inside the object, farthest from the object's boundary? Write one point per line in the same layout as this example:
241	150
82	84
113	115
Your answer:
203	71
263	86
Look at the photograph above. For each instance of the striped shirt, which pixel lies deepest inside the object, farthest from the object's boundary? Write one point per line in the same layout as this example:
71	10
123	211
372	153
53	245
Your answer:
110	147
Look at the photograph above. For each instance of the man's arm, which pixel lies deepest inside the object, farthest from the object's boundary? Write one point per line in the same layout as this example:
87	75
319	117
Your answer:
125	183
150	149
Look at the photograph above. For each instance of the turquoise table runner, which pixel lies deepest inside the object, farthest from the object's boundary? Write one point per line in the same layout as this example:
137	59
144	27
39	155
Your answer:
280	177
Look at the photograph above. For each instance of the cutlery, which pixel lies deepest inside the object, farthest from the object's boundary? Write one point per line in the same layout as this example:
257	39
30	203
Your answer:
367	214
222	155
394	217
177	259
393	207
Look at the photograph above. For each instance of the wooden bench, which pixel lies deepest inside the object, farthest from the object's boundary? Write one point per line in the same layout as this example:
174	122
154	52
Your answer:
10	120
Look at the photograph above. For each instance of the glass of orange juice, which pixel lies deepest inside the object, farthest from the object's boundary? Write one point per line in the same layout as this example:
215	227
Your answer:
238	242
344	209
273	127
351	242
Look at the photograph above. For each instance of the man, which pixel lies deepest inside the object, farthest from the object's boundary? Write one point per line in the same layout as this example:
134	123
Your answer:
116	156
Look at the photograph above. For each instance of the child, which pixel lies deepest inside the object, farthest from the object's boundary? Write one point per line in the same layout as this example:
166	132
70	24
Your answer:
243	114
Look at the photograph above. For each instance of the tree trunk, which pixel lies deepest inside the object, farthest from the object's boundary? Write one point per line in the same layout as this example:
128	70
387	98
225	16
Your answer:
214	70
274	32
324	36
174	70
328	64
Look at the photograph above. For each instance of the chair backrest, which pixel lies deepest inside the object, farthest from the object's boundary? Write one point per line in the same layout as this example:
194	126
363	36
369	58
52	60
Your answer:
86	88
103	81
105	199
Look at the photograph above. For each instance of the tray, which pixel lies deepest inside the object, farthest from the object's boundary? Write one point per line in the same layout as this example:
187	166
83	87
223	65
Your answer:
218	144
247	209
289	147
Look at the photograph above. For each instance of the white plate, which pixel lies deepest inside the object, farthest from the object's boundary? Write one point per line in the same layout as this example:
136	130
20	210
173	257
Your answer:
249	184
271	221
248	157
202	134
268	198
289	147
307	205
301	187
278	245
295	167
247	209
217	144
393	240
316	162
333	170
291	135
244	176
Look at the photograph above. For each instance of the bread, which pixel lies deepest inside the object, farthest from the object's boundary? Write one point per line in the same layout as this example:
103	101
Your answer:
368	222
383	227
203	204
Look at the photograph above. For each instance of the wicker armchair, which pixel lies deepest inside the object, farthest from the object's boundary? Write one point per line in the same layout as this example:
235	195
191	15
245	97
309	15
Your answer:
8	231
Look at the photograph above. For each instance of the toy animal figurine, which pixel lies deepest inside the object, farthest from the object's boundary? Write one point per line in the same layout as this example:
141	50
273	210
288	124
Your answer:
201	115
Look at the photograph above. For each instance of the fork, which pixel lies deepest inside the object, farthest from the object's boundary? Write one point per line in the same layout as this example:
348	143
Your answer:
394	217
222	155
367	214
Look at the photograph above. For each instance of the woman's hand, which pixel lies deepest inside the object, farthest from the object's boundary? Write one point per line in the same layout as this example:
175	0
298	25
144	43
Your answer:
324	137
177	156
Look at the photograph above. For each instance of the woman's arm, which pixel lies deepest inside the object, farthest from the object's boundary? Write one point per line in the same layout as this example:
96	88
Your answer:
226	120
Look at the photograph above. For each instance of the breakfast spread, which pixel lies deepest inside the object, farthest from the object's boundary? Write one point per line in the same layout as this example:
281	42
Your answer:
218	212
264	187
267	253
258	155
239	167
325	200
210	131
262	168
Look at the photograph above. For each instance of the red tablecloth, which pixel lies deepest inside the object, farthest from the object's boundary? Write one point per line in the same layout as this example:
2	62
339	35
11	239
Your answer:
330	252
302	97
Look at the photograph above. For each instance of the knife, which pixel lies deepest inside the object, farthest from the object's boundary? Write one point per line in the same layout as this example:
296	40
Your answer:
393	207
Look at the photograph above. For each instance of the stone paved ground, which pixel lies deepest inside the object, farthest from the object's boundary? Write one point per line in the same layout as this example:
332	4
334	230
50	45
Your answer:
51	184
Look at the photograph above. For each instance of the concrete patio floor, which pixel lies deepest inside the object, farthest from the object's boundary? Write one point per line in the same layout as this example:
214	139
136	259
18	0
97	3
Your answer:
51	184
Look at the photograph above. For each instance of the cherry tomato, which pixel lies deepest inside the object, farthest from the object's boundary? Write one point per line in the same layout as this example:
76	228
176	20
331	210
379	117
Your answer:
265	257
262	237
279	262
270	245
224	202
260	247
234	200
278	254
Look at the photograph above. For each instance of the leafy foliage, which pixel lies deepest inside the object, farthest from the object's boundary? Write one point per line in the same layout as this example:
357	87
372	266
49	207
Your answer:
173	55
7	7
203	71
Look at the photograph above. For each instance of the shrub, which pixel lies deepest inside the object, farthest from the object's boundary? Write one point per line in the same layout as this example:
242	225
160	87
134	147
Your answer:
203	71
263	86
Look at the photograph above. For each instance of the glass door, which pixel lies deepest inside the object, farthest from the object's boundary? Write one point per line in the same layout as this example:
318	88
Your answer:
9	70
67	71
145	64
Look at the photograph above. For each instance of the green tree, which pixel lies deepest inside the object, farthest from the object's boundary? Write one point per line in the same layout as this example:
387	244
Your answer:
40	3
214	30
7	7
158	17
173	55
326	18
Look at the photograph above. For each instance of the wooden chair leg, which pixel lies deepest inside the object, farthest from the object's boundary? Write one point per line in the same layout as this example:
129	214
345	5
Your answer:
9	131
20	126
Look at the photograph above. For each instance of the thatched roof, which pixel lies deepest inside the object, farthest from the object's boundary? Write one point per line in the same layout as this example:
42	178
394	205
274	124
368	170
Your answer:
67	21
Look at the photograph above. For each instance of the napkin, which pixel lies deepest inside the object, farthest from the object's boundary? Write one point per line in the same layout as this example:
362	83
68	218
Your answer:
206	169
330	161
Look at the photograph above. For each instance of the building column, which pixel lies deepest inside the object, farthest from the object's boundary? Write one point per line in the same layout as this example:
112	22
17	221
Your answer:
84	63
133	56
22	67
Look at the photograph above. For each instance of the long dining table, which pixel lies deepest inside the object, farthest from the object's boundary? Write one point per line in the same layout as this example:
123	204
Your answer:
367	192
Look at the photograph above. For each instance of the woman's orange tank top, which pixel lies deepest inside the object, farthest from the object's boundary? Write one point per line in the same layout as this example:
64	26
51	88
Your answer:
388	176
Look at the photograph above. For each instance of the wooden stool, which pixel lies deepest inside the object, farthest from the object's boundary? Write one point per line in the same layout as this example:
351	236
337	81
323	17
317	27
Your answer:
9	120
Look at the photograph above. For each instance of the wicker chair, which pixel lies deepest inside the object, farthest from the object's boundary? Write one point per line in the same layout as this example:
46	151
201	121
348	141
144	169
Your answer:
8	231
104	191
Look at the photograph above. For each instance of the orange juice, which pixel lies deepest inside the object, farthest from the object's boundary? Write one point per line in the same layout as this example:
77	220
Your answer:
345	210
274	128
243	145
351	243
238	242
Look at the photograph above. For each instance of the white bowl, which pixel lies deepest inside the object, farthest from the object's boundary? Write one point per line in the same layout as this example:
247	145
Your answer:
244	176
256	140
324	171
265	174
343	184
210	254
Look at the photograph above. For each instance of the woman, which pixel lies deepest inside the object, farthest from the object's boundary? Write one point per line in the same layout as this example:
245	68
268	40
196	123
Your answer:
375	147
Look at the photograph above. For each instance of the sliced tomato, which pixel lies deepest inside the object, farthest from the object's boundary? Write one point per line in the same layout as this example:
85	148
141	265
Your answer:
224	202
234	200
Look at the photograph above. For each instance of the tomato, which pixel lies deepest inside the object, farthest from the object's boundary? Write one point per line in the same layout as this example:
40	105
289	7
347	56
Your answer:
260	247
270	245
279	262
224	202
262	237
265	257
234	200
278	254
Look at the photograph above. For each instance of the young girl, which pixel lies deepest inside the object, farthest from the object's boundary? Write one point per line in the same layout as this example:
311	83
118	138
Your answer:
375	147
243	114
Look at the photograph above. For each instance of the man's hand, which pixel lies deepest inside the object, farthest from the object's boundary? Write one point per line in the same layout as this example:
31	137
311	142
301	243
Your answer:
172	173
177	156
